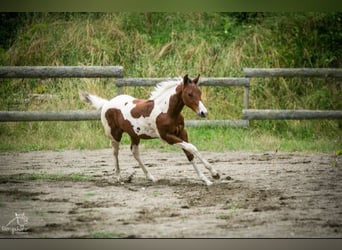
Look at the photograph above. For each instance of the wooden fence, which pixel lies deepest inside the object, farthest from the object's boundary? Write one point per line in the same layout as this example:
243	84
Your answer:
105	71
117	72
60	71
267	114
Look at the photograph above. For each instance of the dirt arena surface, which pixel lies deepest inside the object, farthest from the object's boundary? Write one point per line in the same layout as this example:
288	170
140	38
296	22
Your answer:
75	194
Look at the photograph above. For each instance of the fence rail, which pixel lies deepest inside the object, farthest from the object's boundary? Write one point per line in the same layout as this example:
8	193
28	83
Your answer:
269	114
65	115
217	81
84	115
60	71
290	72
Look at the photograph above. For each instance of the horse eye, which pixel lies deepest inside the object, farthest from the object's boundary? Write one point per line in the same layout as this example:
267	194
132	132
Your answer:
190	94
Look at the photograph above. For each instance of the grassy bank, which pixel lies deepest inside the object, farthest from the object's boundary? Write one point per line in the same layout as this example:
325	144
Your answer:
89	135
173	44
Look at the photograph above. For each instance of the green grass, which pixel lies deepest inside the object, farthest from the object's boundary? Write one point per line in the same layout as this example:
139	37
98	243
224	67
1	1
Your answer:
79	136
212	44
259	140
44	176
91	194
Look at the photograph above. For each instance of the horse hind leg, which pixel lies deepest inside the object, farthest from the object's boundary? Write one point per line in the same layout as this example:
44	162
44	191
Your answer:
115	146
136	154
115	138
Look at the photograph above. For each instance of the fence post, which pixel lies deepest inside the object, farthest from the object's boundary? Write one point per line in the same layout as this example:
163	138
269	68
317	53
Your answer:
119	89
246	97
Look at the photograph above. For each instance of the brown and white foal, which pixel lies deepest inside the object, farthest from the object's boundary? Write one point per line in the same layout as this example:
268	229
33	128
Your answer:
158	117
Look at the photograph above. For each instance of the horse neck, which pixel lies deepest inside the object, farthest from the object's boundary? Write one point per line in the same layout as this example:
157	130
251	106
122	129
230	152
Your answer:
176	103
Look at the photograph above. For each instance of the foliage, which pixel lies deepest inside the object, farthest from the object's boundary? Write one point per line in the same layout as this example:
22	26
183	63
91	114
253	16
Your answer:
168	45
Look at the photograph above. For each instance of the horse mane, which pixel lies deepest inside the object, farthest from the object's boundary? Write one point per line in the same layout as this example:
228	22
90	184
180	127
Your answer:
162	88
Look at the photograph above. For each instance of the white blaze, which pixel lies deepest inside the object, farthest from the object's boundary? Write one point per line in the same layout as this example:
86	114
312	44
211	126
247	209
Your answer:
202	109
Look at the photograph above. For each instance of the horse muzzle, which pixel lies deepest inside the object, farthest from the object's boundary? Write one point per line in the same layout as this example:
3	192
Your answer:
202	111
202	114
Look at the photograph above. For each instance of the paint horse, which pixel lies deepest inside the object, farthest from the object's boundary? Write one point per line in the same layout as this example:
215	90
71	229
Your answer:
158	117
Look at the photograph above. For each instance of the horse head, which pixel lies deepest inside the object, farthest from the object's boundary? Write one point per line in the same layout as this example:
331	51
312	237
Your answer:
191	96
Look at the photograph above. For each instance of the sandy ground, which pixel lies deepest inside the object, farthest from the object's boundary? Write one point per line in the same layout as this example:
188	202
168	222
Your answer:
258	195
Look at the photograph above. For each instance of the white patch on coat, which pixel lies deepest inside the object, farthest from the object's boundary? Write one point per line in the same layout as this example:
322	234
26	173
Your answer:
187	146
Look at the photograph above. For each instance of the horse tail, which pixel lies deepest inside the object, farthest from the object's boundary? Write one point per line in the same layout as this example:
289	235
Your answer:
95	101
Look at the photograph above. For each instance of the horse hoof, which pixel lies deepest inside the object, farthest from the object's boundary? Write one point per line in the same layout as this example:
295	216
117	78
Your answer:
209	183
151	178
216	176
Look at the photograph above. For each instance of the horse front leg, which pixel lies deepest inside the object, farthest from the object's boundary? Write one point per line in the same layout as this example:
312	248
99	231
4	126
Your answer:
193	151
190	150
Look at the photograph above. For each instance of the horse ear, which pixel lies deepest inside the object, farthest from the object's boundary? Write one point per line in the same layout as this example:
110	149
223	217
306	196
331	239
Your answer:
196	79
186	80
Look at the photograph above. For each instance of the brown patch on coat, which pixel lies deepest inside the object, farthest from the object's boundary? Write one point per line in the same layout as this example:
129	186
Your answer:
115	121
142	108
173	131
118	124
